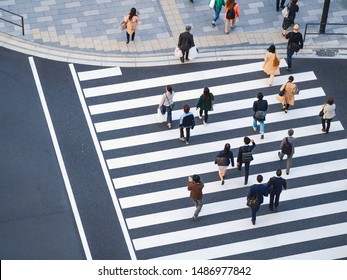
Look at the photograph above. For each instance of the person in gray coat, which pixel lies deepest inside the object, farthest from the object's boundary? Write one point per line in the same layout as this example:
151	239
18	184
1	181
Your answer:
292	141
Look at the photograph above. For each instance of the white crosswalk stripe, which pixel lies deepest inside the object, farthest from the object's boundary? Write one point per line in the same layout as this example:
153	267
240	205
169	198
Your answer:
149	168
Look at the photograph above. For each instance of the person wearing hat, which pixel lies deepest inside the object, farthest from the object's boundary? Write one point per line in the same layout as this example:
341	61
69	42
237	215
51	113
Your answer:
185	42
295	43
245	156
195	187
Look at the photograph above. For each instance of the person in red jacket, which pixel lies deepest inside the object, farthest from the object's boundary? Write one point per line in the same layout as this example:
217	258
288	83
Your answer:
195	187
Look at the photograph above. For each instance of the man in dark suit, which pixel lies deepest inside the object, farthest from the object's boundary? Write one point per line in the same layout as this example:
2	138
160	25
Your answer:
185	42
276	184
245	157
295	43
258	190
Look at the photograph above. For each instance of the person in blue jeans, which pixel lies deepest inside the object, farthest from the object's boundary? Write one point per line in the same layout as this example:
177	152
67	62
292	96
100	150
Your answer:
186	122
258	190
166	104
218	5
259	108
295	43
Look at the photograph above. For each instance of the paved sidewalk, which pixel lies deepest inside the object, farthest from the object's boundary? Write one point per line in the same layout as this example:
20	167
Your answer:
88	30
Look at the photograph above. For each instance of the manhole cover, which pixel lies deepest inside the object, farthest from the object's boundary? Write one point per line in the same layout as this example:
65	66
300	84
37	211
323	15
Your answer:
326	52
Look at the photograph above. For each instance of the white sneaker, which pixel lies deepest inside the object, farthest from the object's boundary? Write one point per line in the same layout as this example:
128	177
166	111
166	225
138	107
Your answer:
204	123
200	117
254	129
169	125
182	139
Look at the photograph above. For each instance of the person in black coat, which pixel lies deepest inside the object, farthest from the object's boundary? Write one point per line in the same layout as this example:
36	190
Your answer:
258	190
223	160
295	43
276	184
245	156
185	42
259	109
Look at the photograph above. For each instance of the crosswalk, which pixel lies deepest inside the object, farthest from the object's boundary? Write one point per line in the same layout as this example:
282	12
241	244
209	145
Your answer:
146	166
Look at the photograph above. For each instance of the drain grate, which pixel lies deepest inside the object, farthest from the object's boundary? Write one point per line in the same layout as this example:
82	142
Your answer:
330	53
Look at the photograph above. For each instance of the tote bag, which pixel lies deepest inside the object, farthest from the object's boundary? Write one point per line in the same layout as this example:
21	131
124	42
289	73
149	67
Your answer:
211	5
193	53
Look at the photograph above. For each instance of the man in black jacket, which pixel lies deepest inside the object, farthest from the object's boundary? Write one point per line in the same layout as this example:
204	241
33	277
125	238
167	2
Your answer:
185	42
276	183
245	156
295	43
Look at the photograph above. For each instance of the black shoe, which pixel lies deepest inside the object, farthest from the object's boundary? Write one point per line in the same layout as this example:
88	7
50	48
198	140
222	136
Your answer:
127	42
191	1
246	182
223	182
253	222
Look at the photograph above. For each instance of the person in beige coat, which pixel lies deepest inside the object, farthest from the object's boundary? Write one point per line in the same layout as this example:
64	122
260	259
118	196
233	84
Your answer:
288	99
131	21
270	67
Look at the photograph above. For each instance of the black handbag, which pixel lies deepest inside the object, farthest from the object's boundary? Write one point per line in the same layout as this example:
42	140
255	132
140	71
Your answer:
220	161
282	92
321	113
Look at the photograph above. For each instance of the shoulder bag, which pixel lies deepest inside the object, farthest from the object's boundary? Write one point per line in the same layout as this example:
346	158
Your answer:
282	92
252	202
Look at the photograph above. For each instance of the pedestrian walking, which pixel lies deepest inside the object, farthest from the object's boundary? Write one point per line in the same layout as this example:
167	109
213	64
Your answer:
167	104
288	21
328	114
185	42
186	122
231	15
205	104
195	187
257	191
295	43
278	4
287	147
276	184
245	156
271	65
259	109
223	160
287	94
218	5
131	21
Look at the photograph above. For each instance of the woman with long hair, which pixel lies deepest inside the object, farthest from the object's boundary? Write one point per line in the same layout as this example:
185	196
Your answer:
271	64
230	23
131	20
167	104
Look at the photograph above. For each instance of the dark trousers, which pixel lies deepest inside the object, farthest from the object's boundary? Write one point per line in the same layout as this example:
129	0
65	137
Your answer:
289	58
185	55
205	114
276	197
278	4
187	133
246	171
254	213
327	122
132	36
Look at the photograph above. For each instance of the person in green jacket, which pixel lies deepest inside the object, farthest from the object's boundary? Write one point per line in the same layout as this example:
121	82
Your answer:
205	104
218	5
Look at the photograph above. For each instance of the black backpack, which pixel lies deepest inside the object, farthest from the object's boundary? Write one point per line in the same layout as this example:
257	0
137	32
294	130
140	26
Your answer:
188	121
287	148
230	14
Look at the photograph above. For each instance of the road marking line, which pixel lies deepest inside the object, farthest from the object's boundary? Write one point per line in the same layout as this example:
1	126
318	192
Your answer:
231	106
195	93
324	254
60	160
103	164
262	243
99	74
231	205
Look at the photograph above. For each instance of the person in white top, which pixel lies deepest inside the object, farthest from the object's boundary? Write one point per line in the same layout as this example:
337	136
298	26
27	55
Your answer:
166	104
328	114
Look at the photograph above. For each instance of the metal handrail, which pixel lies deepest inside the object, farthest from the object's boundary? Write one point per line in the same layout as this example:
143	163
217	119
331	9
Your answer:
22	19
325	33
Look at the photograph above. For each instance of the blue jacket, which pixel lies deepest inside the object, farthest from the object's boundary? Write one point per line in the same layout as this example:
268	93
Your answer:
258	190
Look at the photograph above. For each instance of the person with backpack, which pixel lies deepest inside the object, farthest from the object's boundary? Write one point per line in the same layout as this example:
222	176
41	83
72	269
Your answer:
205	104
186	122
259	109
232	13
288	21
218	5
245	156
287	147
276	184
